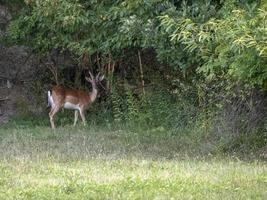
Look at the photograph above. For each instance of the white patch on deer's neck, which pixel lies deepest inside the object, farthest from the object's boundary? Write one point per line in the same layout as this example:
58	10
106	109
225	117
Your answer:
93	95
71	106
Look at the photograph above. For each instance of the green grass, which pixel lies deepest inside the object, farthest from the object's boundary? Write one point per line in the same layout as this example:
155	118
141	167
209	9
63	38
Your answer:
89	163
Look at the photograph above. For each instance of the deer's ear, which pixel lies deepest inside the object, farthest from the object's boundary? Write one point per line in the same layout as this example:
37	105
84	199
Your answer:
88	79
101	78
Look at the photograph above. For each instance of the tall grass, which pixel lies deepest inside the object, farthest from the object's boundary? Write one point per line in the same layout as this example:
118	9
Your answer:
153	147
92	163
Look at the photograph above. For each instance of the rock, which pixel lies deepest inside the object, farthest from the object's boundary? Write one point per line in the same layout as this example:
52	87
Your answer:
5	15
16	63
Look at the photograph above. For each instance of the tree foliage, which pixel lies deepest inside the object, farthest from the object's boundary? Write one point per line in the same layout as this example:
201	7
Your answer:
229	46
214	39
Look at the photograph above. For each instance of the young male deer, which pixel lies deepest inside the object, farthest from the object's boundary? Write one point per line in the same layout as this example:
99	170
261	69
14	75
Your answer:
78	100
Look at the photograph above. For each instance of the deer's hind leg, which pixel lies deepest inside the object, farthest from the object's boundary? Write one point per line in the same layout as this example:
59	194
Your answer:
52	113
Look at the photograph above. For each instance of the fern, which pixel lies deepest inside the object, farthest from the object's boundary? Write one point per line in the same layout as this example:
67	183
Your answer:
116	106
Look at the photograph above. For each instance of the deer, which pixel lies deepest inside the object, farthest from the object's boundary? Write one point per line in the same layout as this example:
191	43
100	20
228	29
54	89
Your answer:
73	99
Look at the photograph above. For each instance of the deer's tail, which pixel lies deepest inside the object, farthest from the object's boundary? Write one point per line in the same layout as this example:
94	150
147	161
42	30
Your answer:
50	100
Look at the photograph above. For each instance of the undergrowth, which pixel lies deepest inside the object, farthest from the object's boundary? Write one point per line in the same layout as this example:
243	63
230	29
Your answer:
163	115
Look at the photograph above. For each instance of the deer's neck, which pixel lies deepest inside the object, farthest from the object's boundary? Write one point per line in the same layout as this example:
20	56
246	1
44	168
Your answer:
93	94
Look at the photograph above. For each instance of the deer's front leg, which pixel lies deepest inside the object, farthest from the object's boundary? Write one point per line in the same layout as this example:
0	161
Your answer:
75	117
83	117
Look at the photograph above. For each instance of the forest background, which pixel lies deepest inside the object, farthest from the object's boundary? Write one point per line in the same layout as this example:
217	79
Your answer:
189	69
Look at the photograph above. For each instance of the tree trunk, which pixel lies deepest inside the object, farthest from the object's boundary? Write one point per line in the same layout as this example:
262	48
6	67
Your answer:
77	79
141	73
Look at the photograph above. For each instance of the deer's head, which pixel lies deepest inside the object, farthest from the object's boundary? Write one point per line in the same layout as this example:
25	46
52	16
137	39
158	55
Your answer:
95	81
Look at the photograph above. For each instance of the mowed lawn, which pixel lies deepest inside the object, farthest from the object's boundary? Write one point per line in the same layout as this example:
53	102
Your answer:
85	163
